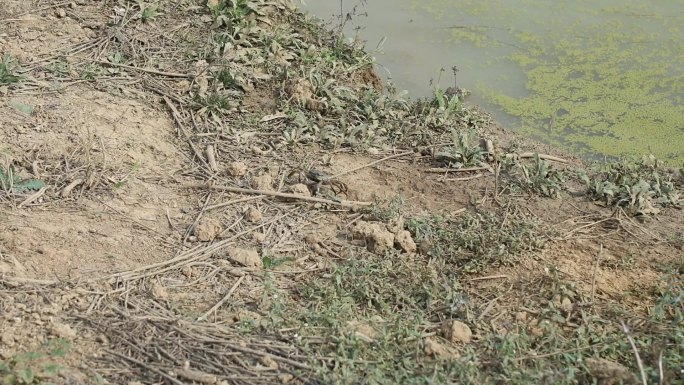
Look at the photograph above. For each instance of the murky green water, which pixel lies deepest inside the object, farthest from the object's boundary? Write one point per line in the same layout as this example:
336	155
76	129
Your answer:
596	77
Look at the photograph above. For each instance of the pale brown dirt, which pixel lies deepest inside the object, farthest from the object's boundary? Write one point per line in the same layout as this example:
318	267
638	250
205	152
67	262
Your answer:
131	211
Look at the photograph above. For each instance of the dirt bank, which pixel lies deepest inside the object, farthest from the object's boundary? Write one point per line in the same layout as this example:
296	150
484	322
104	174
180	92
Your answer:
224	193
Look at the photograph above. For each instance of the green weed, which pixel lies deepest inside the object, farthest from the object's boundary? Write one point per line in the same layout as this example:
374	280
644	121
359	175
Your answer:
232	13
478	241
37	367
8	70
541	178
10	181
149	13
465	152
637	186
217	103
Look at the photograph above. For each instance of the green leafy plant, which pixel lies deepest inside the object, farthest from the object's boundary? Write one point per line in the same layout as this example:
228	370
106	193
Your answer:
8	70
448	105
148	13
541	178
10	181
231	12
217	103
465	152
637	186
477	241
35	367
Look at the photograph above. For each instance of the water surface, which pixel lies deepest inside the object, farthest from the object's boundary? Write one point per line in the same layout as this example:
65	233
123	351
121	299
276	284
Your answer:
595	77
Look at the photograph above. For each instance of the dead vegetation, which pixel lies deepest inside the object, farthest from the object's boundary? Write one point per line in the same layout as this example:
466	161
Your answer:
216	193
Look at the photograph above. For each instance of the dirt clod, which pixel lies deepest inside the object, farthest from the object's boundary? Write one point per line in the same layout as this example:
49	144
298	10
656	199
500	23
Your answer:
245	257
237	169
61	330
436	349
300	189
404	240
253	215
378	239
456	331
609	372
263	182
208	229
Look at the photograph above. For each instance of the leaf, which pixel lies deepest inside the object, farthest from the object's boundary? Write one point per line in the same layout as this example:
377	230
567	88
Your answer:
21	107
50	370
28	356
28	185
60	347
26	375
9	379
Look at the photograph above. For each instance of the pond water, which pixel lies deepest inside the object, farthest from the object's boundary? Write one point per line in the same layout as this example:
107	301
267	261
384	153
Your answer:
599	77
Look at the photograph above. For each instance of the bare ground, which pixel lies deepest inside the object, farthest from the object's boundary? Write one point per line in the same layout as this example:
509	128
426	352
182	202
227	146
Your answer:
119	258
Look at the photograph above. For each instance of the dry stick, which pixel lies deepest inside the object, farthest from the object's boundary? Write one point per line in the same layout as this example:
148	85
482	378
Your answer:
33	197
640	364
211	158
234	201
188	256
145	366
440	170
27	281
279	195
247	350
372	164
593	279
489	277
464	179
541	156
223	300
661	373
176	117
147	70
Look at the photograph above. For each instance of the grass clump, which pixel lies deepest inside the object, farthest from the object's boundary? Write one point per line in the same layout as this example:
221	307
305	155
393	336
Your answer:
640	187
478	241
375	313
371	318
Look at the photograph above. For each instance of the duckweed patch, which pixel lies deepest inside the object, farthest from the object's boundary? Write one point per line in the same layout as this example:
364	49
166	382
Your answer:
593	78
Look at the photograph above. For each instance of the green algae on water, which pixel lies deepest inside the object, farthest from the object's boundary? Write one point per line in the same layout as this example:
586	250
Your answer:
599	77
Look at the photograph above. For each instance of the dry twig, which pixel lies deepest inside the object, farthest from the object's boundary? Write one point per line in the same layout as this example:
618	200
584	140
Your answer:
279	195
